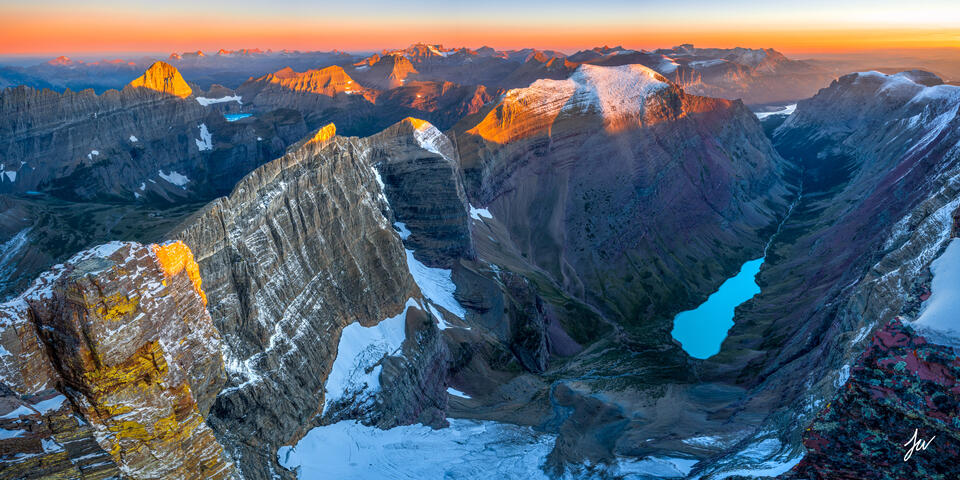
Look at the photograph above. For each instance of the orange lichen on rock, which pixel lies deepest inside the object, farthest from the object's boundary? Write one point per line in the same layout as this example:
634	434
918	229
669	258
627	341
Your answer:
323	134
165	78
176	257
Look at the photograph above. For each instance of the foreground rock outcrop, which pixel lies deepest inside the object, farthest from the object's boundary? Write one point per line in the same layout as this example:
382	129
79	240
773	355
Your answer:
902	388
111	365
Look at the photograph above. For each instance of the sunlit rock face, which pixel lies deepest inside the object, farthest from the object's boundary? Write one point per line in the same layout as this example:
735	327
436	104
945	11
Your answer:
163	78
121	336
302	248
364	100
389	71
327	82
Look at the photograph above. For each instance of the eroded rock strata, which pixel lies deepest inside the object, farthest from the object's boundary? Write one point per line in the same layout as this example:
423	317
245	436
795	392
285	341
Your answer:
112	364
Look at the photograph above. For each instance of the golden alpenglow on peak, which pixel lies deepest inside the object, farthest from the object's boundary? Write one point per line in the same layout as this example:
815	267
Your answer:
323	134
163	77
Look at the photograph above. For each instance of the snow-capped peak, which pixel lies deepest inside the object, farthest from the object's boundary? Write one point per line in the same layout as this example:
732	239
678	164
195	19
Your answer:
611	91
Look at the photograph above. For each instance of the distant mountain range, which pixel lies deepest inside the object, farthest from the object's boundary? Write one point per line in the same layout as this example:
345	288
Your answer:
756	76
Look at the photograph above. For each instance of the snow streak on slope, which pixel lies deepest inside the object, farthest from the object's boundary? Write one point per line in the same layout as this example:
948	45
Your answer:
787	110
210	101
436	284
467	449
765	458
479	213
429	138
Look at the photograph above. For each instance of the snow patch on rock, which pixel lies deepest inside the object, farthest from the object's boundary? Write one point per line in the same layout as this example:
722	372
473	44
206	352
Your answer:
480	213
656	467
787	110
402	230
173	177
611	91
205	142
765	458
457	393
842	377
210	101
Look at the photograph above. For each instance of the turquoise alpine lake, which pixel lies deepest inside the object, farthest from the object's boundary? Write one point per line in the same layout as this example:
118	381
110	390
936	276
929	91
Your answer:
701	331
233	117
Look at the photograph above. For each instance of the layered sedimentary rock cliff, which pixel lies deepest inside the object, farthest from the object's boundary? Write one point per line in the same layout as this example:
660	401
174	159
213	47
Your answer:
79	169
110	365
303	253
419	168
150	141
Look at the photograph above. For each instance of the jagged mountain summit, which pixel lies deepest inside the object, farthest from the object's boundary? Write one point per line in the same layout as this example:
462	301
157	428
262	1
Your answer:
163	78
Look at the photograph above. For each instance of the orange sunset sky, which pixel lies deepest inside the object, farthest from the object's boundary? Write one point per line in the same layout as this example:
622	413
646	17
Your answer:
45	27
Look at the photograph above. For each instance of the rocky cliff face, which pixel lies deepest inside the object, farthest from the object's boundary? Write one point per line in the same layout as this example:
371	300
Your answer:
111	364
889	140
143	143
303	253
421	175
